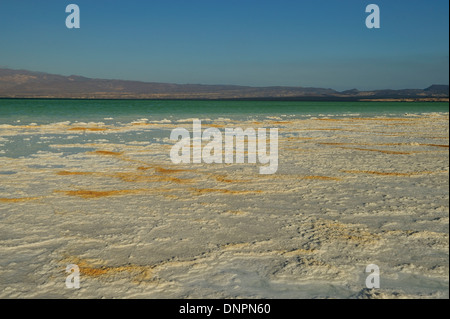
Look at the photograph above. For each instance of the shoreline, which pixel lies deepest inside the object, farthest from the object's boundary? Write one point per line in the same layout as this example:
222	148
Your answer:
275	99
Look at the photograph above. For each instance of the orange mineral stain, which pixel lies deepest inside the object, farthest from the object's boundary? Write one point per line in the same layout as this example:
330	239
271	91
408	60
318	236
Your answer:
90	129
136	272
67	173
106	153
223	191
377	150
98	194
17	200
386	173
324	178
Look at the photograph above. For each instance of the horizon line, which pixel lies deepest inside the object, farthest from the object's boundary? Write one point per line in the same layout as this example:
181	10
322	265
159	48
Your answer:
236	85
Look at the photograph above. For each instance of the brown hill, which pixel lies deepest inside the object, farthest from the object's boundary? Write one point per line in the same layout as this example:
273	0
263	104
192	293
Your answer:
28	84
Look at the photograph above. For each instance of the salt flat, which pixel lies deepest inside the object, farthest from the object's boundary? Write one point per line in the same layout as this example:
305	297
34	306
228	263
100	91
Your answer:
348	192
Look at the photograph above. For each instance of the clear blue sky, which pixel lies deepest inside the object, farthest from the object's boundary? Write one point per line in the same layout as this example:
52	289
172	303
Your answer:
321	43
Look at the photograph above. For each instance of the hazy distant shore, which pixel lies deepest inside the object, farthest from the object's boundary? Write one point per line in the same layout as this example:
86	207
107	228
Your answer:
27	84
294	99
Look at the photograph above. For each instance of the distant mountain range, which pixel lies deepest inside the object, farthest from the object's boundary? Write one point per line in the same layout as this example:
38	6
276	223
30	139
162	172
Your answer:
28	84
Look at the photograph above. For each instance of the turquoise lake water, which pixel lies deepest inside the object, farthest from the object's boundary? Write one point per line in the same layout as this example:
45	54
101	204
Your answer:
50	111
21	119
